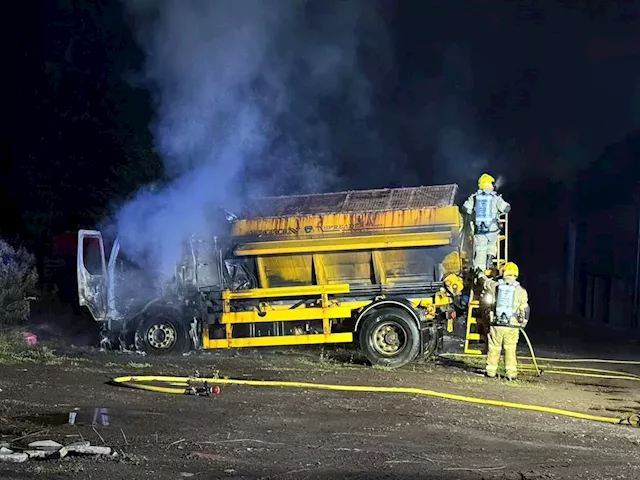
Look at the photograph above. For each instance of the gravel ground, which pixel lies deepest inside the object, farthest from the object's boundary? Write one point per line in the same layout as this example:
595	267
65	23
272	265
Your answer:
275	432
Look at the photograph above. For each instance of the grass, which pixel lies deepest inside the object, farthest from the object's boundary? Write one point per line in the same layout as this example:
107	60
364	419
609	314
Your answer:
14	351
467	380
131	365
383	368
522	382
479	362
306	363
477	380
319	359
63	468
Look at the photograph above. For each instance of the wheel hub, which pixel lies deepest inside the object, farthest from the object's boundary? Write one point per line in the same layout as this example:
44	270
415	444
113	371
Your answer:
389	339
161	336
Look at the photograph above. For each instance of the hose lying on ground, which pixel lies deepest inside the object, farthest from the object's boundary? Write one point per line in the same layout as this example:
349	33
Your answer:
582	372
564	370
184	385
187	383
561	370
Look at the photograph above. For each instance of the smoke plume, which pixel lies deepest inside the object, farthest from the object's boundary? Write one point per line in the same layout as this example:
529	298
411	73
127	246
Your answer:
459	145
243	91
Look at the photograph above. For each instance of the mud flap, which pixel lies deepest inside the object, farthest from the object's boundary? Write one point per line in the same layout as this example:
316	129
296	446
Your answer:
428	339
452	342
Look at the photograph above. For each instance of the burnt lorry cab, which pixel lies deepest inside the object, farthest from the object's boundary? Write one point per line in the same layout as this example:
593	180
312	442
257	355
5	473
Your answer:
387	269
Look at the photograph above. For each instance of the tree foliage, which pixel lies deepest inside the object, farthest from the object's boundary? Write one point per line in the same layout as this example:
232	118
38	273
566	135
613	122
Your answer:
18	280
81	139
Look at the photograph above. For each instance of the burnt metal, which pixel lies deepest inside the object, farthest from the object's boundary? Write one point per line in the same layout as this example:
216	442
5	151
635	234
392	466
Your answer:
356	201
397	289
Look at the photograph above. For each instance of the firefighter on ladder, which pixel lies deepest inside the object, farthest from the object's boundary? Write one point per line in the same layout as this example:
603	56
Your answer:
509	314
485	205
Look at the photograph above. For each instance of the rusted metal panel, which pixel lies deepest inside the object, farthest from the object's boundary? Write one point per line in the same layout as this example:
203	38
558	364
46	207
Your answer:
399	266
341	230
288	270
357	201
348	267
332	224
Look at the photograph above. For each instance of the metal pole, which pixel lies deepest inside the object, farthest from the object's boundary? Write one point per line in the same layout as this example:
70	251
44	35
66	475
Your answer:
570	267
637	279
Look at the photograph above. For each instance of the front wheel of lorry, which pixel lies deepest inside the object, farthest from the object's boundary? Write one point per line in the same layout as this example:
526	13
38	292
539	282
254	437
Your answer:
389	337
161	333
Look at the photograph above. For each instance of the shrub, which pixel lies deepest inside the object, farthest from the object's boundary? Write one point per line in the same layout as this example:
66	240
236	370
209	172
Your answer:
18	283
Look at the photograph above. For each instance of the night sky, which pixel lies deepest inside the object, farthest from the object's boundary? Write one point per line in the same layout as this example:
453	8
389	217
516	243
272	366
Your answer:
522	89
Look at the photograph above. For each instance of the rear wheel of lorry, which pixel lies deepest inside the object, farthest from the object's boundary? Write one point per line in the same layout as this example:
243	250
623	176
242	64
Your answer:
161	333
390	337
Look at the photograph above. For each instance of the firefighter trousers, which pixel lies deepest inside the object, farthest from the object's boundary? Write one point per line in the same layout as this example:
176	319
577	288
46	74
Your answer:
484	244
499	337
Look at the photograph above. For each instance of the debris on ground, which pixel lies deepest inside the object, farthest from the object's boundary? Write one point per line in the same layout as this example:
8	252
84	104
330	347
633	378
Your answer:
84	448
13	457
45	445
30	339
50	450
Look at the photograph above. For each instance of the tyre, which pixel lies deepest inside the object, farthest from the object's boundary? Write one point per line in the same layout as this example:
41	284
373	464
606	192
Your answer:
160	332
431	346
390	337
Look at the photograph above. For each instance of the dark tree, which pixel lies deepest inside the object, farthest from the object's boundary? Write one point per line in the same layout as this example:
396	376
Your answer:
80	137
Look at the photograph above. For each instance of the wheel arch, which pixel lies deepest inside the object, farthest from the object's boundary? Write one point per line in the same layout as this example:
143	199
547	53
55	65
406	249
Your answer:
401	303
158	302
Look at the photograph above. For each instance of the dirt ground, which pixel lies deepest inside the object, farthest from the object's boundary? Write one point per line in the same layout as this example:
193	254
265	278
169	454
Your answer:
287	433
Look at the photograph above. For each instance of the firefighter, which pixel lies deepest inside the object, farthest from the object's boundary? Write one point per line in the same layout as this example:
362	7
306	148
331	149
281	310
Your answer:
485	205
509	314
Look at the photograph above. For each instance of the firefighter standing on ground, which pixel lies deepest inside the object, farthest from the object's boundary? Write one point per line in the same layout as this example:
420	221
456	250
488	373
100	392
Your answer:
510	314
485	205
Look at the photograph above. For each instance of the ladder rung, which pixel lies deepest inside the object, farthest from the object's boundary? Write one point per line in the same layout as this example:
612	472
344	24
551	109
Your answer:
473	336
473	351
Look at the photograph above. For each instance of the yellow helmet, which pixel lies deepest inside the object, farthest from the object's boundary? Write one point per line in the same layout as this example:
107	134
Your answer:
485	181
511	270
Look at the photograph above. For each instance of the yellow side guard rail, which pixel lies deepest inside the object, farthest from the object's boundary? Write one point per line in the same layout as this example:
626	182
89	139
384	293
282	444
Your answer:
182	385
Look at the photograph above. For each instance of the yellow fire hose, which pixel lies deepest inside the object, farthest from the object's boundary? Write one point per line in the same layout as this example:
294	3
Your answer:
562	370
183	385
533	355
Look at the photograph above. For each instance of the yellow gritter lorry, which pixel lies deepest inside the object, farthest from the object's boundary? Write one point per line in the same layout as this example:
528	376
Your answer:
387	269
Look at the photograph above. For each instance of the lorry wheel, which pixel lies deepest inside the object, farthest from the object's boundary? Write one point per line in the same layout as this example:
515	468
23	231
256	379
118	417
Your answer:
389	337
161	333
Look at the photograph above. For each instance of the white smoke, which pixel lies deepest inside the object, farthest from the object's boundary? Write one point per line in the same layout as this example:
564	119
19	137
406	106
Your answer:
239	89
459	147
